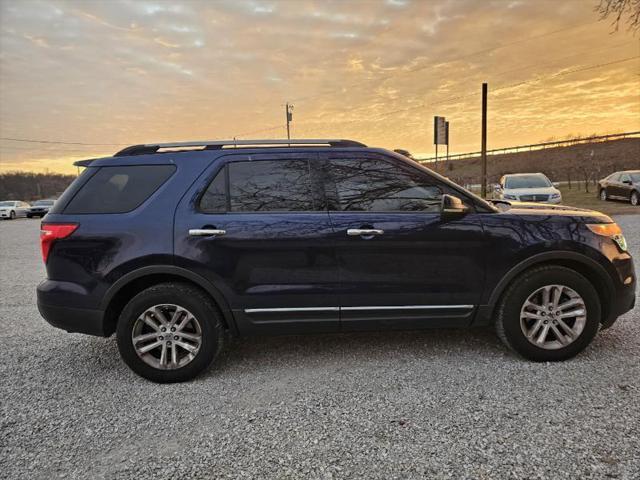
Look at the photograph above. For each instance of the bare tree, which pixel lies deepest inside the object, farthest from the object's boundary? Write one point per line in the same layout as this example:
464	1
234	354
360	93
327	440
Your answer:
617	9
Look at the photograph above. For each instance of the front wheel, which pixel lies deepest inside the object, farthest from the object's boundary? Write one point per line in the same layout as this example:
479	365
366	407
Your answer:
169	333
549	313
635	199
12	215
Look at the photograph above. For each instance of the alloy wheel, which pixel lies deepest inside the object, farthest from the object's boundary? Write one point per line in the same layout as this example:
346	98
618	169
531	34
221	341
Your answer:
634	199
553	317
166	336
603	194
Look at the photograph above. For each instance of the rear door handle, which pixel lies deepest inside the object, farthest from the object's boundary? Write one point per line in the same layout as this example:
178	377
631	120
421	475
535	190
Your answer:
206	232
365	232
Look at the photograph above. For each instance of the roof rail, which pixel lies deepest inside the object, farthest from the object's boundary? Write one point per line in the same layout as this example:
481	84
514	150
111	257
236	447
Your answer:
150	148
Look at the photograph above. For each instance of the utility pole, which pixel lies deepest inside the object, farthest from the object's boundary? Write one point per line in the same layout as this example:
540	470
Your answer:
483	187
288	110
446	134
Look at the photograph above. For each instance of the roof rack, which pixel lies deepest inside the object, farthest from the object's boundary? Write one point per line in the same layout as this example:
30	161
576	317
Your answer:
150	148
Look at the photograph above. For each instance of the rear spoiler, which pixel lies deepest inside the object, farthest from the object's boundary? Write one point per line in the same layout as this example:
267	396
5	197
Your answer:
84	163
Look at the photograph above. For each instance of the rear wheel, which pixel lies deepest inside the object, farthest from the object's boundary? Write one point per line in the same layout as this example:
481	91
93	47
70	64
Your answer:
169	332
550	313
603	195
635	199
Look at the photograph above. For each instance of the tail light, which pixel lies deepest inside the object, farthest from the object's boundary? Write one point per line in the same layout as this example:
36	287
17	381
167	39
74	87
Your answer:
50	232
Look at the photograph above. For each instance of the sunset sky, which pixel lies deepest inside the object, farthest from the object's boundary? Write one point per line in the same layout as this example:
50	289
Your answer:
123	72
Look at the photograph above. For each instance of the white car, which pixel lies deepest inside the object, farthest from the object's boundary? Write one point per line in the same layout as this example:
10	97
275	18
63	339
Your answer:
13	209
528	187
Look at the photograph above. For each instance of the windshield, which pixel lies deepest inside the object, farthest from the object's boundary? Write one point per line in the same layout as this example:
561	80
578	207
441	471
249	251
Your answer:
43	202
527	181
635	177
7	204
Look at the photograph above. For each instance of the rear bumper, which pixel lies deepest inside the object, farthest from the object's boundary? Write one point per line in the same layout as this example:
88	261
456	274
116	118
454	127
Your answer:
74	320
71	319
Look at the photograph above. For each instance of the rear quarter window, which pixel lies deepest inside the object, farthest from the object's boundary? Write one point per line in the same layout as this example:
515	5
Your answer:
118	189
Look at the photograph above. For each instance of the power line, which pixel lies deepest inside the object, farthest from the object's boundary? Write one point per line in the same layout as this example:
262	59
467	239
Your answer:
450	60
504	87
30	140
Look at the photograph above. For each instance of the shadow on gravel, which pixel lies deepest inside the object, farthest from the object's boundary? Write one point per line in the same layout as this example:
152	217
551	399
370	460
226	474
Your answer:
399	347
97	357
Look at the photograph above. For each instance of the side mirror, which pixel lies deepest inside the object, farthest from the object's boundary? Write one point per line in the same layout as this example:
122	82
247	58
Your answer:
453	206
497	188
556	184
627	182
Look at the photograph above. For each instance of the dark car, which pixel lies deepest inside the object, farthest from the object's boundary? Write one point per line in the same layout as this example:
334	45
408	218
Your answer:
40	208
621	186
174	250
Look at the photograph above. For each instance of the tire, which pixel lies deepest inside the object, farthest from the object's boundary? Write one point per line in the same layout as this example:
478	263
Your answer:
603	195
12	215
635	198
169	295
510	327
29	215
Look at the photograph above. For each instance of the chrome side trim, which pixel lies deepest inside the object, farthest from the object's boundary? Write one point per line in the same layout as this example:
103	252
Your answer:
409	307
301	309
378	307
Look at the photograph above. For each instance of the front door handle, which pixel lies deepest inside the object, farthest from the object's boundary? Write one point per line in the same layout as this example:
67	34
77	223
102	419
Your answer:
206	232
364	232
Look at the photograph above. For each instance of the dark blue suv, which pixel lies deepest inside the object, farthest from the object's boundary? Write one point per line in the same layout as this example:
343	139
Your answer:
176	246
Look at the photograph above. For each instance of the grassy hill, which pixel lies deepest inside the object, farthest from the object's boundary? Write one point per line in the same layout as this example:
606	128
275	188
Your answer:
583	162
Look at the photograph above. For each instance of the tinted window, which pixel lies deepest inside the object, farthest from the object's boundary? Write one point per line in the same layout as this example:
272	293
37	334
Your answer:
381	186
265	185
625	177
118	189
214	198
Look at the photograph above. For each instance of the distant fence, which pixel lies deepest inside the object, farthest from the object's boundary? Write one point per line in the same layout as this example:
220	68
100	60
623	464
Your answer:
535	146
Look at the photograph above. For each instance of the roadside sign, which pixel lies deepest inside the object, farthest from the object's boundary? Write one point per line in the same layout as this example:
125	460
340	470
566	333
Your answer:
439	131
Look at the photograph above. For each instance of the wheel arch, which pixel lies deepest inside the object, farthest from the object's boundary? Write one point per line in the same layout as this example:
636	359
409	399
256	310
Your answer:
129	285
586	266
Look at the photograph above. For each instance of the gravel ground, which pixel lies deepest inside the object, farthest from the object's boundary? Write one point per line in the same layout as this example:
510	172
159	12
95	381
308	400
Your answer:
432	404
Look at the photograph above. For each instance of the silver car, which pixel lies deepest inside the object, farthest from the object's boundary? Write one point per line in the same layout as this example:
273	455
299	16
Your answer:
528	187
11	209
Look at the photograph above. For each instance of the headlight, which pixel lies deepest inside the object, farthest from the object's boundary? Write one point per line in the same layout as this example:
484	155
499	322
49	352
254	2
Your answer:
506	196
611	230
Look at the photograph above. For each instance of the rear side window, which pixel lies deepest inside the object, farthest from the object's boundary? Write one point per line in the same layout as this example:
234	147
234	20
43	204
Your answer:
214	198
118	189
280	185
261	186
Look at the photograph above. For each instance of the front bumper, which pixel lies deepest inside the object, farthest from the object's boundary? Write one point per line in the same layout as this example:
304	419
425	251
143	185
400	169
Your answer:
624	297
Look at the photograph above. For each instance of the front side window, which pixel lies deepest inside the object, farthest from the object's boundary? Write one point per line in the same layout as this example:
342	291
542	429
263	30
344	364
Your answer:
625	178
270	185
376	185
